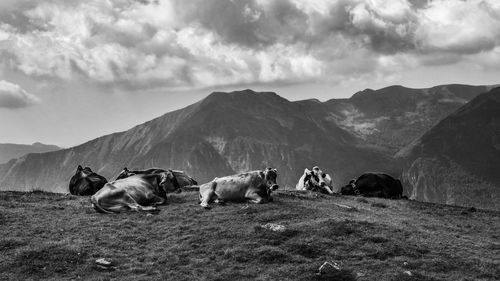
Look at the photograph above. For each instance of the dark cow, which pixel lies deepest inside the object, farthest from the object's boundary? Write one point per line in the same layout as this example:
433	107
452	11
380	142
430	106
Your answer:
255	187
85	182
374	185
315	180
182	178
137	193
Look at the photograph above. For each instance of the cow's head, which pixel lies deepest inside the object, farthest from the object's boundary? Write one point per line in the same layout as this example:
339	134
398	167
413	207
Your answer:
319	176
270	176
350	188
311	180
168	182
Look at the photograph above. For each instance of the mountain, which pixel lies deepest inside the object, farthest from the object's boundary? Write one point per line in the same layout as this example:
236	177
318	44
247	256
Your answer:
222	134
445	138
393	117
457	161
10	151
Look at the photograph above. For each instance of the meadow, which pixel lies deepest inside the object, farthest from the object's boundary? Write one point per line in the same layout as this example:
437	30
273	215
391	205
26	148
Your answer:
60	237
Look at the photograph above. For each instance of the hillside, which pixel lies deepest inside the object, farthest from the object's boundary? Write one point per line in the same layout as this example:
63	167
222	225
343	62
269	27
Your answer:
227	133
456	162
59	237
222	134
393	117
10	151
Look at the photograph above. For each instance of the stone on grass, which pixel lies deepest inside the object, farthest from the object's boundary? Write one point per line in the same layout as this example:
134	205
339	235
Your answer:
274	227
103	263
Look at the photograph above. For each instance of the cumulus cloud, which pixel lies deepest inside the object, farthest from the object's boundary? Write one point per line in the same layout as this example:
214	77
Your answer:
193	44
13	96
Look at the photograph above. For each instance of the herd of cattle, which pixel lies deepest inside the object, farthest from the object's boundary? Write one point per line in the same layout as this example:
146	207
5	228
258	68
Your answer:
143	190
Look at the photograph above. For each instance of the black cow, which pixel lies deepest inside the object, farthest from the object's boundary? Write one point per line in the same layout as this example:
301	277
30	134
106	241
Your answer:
85	182
374	185
182	178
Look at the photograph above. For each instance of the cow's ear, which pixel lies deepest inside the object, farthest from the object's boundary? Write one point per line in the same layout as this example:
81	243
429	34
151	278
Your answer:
79	168
125	169
163	178
262	174
275	170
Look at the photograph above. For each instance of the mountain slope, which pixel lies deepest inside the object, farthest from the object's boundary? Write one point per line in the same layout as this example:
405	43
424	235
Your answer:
10	151
393	117
223	134
458	160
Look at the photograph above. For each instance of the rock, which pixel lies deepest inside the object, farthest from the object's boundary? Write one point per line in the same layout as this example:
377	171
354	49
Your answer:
103	263
408	273
360	274
405	264
328	268
274	227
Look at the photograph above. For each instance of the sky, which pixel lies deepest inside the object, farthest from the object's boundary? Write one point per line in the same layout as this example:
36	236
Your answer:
71	71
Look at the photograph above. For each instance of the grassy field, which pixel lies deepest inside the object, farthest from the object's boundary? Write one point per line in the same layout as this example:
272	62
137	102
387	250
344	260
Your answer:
54	236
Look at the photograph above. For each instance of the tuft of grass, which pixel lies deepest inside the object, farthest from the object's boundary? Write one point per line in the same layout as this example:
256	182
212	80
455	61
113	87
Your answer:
269	254
339	275
379	205
415	276
274	238
9	244
308	249
331	227
48	261
376	239
362	200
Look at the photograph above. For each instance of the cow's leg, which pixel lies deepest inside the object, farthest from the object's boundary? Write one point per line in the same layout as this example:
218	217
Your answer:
155	199
255	198
206	193
327	189
219	201
140	208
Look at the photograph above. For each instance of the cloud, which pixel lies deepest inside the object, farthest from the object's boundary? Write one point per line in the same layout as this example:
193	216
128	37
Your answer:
194	44
13	96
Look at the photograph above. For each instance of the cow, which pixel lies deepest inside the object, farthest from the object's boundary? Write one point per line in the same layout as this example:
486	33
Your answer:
138	193
85	182
374	185
315	180
255	187
182	178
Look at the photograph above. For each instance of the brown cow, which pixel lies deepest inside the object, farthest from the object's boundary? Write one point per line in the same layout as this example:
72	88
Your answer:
137	193
255	187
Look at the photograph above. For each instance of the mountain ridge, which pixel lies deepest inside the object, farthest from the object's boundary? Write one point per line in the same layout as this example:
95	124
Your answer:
10	151
465	148
227	133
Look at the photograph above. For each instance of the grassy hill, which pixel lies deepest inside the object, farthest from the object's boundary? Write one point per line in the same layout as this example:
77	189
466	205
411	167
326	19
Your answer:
55	236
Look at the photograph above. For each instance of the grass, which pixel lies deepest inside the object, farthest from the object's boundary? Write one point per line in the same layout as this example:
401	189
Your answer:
54	236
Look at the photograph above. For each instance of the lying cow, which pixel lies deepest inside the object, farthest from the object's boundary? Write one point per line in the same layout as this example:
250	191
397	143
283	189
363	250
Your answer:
315	180
374	185
182	178
255	187
85	182
137	193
